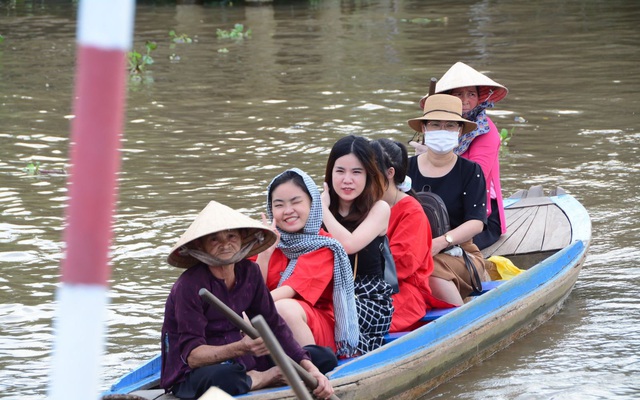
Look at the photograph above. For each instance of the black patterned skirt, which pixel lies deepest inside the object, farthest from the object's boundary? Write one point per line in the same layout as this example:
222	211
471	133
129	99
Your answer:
373	302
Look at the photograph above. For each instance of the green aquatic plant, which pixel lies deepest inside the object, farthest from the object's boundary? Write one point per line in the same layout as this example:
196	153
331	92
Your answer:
33	168
236	33
138	62
506	135
182	38
1	38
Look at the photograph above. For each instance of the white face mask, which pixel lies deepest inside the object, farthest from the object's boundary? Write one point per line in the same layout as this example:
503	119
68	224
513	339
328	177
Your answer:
441	142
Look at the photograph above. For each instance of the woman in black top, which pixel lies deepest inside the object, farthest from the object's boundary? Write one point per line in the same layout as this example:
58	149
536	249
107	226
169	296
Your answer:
355	214
461	185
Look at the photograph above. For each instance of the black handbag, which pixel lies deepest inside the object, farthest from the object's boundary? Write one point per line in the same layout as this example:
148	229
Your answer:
390	273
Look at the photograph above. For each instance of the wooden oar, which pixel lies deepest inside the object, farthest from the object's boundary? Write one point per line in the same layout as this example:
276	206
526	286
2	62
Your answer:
241	324
432	86
280	358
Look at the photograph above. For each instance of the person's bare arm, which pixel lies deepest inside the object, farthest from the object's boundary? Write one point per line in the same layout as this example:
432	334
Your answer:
374	225
459	235
206	354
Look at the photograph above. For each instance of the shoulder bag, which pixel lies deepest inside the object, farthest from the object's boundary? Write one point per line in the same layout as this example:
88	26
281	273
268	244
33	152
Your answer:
390	273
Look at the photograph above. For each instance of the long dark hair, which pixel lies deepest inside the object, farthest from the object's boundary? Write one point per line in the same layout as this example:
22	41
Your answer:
391	153
374	186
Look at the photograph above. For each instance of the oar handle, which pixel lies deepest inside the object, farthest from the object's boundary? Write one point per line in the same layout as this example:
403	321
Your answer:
432	86
244	326
231	315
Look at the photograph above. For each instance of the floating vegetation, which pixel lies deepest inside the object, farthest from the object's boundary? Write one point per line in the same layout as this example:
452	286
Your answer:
223	50
33	169
236	33
138	62
182	38
178	39
1	38
507	134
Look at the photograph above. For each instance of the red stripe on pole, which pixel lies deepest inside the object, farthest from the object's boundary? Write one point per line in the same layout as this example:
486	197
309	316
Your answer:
95	161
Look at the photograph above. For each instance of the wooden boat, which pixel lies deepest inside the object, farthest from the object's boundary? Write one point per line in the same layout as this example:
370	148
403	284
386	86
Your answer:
548	235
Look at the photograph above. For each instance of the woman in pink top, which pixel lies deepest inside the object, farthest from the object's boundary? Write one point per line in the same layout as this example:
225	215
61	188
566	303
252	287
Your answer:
482	145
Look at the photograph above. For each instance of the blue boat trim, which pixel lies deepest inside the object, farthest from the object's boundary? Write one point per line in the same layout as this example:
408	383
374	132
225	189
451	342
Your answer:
146	374
476	311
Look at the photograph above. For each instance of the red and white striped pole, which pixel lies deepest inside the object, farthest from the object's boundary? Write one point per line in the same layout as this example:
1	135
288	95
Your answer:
104	36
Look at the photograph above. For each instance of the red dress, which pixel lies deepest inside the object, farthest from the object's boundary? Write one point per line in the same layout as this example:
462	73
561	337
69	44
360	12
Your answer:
410	241
312	280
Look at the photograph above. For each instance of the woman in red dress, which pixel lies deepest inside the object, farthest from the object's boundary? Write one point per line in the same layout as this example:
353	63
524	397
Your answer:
307	271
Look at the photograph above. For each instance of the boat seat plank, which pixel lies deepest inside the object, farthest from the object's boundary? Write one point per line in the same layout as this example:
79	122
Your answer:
532	201
535	191
508	244
558	230
534	232
515	218
532	229
535	223
522	218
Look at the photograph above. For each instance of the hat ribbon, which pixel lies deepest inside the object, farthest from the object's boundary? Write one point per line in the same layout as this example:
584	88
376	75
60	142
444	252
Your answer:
489	95
446	111
217	262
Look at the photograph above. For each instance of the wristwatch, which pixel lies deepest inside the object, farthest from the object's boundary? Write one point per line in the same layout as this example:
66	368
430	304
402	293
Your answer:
448	238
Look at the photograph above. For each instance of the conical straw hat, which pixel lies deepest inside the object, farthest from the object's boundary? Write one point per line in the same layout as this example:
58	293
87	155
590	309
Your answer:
442	107
461	75
216	217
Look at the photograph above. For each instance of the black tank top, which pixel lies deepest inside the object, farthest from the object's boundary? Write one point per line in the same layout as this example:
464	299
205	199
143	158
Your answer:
370	258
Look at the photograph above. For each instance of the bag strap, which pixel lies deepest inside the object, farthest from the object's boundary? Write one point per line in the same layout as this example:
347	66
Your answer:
390	272
476	282
355	267
426	188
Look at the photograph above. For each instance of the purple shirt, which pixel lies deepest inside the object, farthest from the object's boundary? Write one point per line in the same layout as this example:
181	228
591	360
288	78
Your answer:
189	321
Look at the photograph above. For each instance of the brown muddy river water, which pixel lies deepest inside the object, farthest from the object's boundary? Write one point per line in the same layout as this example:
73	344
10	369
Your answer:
217	119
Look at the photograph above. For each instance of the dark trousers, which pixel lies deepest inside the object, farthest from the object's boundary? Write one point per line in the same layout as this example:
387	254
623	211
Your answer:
492	231
233	378
322	357
230	377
